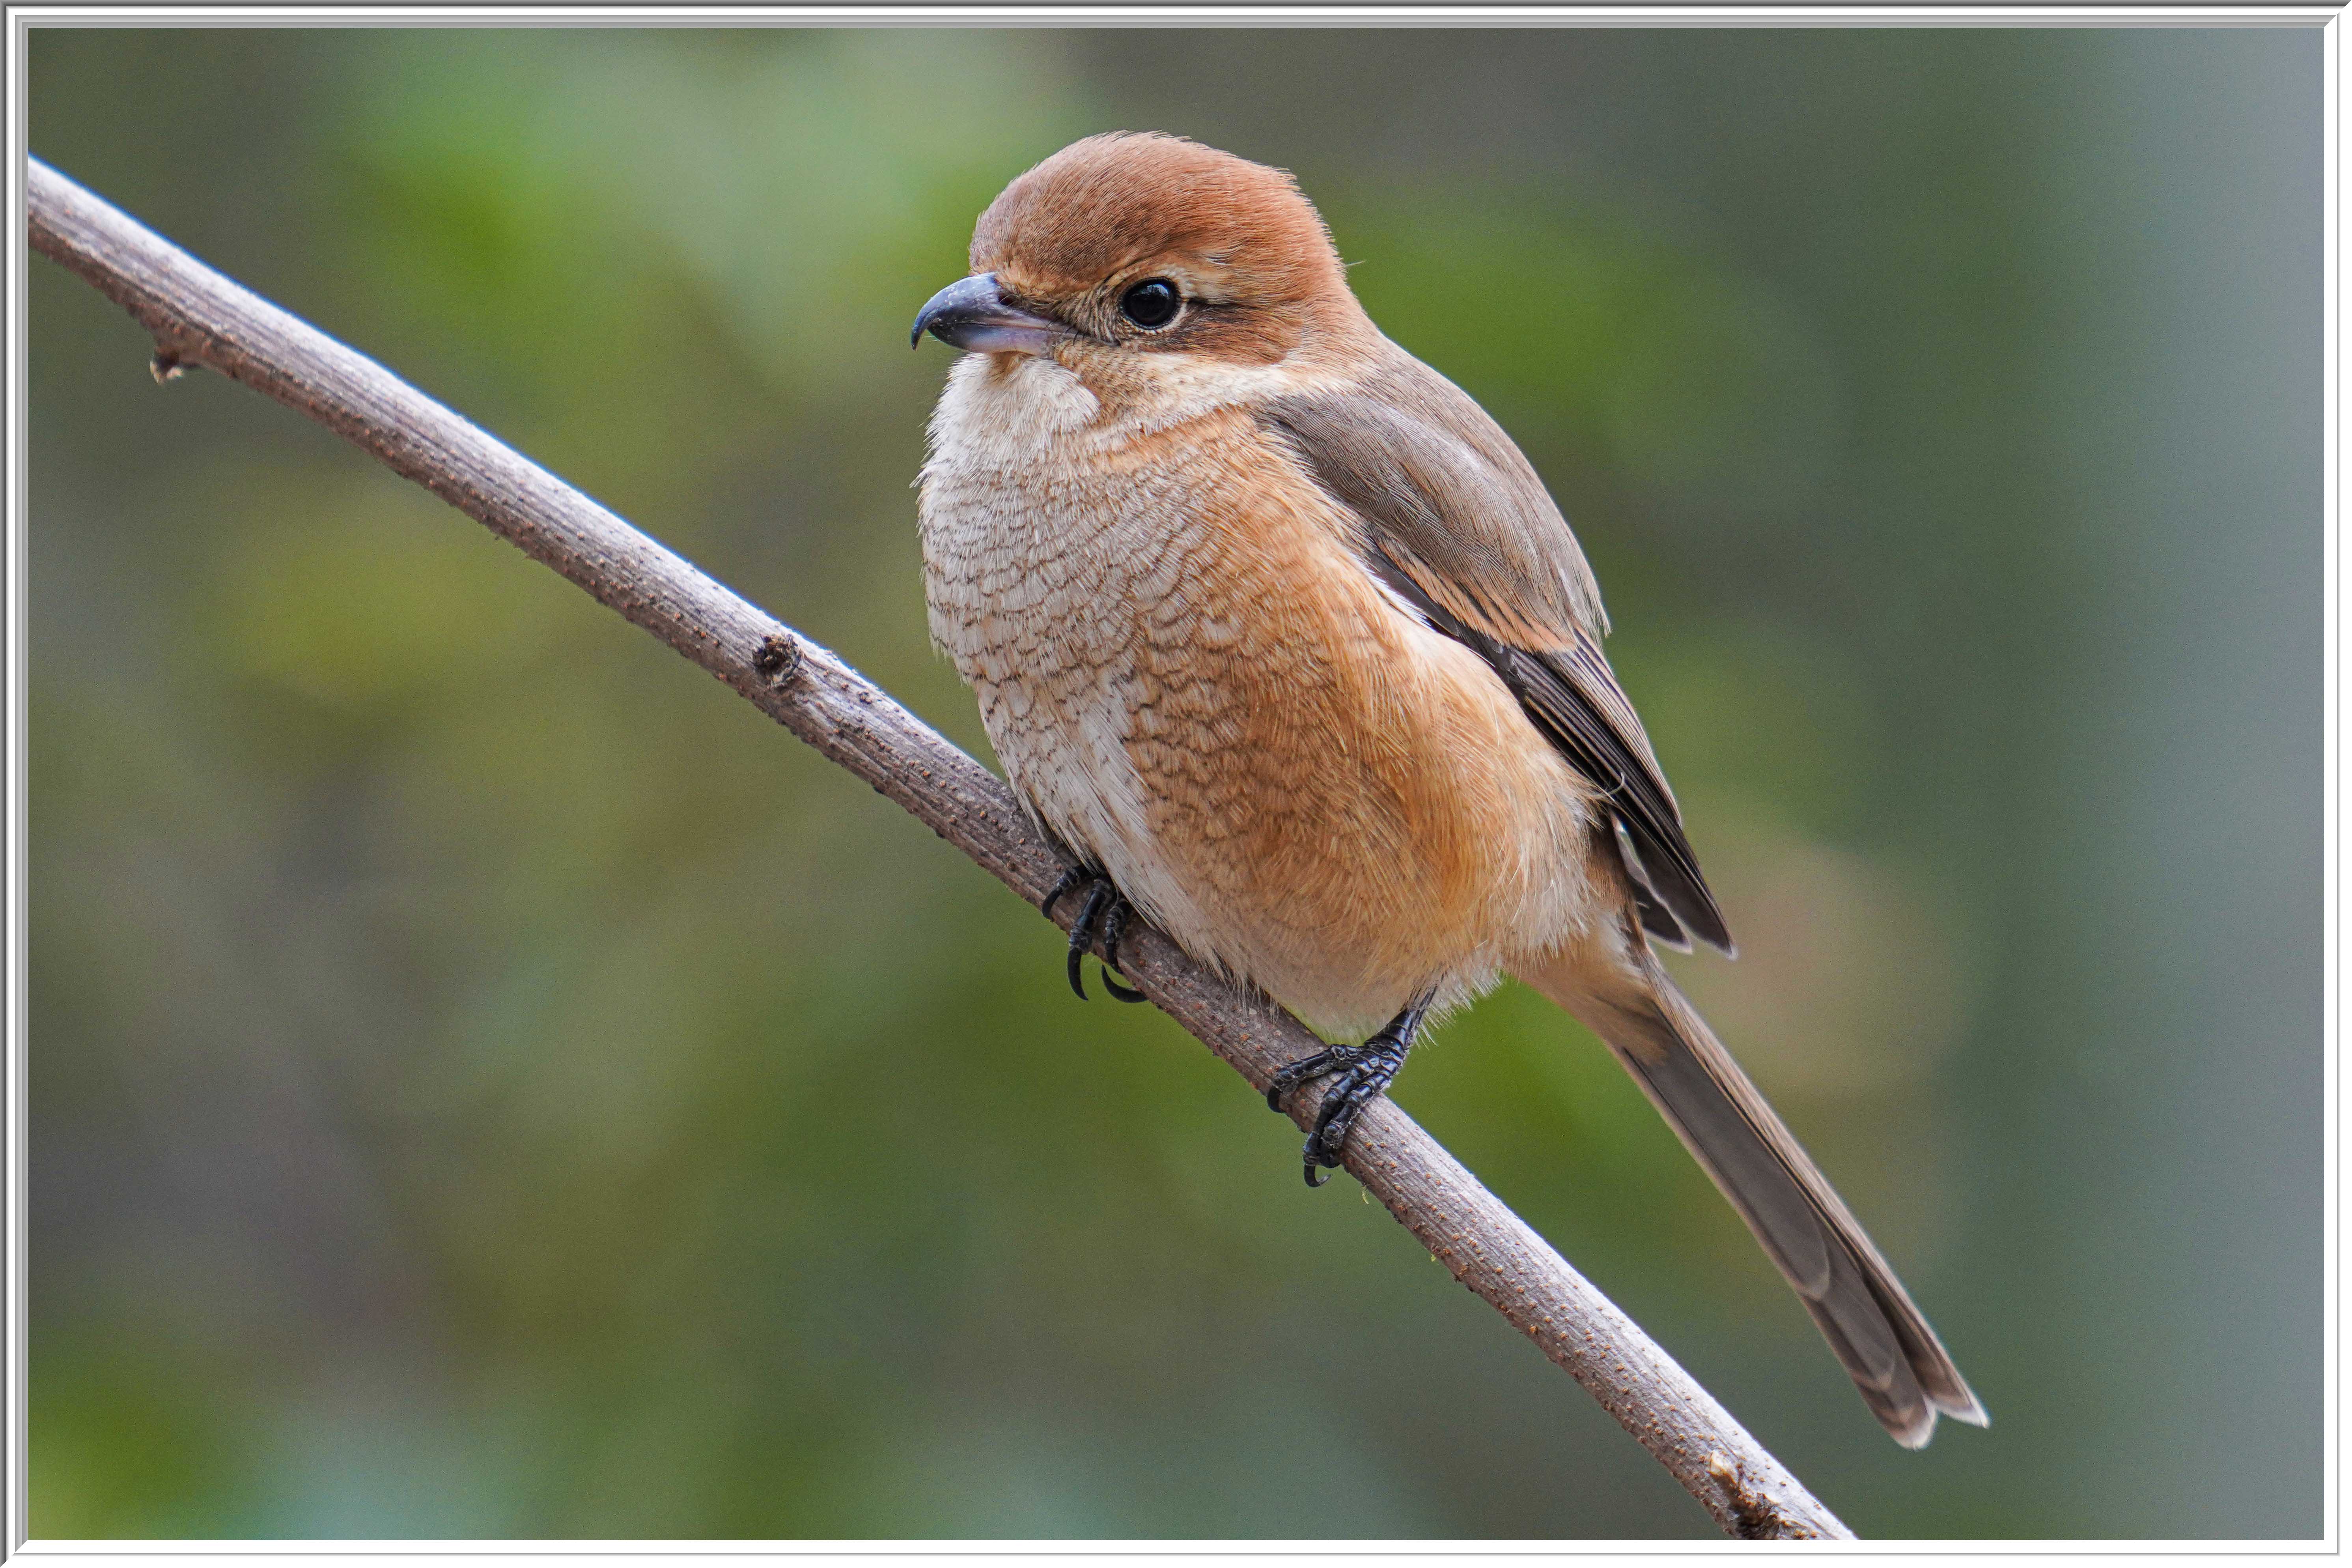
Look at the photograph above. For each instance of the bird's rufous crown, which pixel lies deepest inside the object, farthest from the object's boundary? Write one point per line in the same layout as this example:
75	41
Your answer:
1113	210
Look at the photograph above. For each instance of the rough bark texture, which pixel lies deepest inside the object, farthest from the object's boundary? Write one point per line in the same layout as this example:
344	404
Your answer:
197	317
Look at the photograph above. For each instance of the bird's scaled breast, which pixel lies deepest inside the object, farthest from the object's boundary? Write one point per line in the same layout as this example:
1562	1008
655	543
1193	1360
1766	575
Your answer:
1052	554
1190	677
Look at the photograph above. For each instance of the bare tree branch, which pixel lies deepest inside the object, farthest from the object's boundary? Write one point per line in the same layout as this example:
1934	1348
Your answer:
197	317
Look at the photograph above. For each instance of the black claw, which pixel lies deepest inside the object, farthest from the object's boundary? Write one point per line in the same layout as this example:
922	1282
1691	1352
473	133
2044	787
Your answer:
1330	1132
1082	933
1114	928
1106	904
1070	879
1312	1179
1364	1073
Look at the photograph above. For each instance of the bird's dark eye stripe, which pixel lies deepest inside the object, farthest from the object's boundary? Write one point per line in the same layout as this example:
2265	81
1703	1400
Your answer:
1151	303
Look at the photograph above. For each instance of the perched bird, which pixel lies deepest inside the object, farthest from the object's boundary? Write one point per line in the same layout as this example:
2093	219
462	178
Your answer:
1279	634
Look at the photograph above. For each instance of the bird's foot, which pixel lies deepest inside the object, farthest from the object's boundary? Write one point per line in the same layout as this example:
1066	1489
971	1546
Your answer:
1107	908
1364	1073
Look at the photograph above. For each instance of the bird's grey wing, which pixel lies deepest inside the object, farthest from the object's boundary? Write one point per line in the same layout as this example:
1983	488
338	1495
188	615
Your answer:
1455	522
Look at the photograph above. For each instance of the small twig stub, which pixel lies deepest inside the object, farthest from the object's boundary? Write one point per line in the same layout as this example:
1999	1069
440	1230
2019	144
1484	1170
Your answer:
777	657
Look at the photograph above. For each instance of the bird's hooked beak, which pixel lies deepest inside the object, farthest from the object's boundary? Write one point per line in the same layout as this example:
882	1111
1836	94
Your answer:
970	315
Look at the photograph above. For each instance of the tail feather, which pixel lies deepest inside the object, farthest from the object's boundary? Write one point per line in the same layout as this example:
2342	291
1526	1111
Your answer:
1877	1334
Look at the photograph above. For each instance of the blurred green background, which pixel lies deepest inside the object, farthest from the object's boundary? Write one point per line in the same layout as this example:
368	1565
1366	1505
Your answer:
488	1081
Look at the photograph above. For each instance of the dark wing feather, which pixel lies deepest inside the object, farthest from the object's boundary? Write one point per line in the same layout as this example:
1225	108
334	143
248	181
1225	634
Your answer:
1456	522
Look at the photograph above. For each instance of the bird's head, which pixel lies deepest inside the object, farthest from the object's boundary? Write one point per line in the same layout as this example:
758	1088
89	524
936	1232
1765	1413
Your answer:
1142	263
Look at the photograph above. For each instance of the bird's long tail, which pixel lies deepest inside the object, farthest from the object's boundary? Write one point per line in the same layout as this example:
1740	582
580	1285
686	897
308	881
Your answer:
1895	1358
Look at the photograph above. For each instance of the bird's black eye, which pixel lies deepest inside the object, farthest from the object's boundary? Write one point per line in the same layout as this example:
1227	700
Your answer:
1151	303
